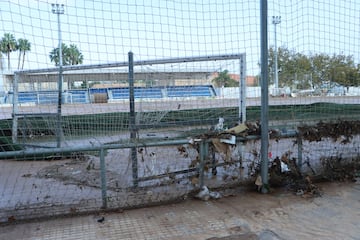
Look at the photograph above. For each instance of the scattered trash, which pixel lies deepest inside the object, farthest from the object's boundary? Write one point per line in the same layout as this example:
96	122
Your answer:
230	140
194	181
222	148
215	195
284	167
357	180
205	194
27	175
220	125
76	172
238	129
91	165
300	192
101	220
11	219
192	141
258	182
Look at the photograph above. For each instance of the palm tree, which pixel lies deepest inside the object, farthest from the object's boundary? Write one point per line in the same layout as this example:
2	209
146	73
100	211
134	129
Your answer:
224	80
75	57
1	61
7	45
23	46
54	55
70	55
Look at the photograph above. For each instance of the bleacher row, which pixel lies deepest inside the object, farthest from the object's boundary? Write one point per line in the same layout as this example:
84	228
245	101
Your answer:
87	95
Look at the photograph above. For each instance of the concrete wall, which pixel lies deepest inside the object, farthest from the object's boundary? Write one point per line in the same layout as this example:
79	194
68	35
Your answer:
233	92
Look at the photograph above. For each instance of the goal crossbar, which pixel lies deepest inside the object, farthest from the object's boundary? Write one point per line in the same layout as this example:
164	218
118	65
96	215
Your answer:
136	63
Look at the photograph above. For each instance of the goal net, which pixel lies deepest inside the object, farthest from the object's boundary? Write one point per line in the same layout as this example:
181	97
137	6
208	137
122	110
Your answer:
170	97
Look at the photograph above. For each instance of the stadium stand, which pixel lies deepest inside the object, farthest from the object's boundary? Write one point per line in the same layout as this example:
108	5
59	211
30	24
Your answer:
76	96
190	91
123	93
88	95
38	97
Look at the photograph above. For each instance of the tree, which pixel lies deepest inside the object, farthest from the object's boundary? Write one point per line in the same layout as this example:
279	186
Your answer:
54	55
342	68
305	71
75	57
339	69
224	80
7	45
23	45
1	62
320	68
70	55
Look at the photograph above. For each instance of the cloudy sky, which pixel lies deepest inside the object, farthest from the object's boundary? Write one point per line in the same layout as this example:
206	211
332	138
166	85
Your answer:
106	30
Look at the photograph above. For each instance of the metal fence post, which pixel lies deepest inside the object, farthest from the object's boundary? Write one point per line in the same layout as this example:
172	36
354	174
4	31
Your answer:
132	122
242	91
300	156
103	178
15	108
202	151
264	98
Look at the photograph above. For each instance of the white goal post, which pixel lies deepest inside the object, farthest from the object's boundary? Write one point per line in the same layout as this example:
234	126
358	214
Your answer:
20	110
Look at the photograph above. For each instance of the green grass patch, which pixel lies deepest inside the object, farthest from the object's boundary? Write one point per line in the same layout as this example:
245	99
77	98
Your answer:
112	123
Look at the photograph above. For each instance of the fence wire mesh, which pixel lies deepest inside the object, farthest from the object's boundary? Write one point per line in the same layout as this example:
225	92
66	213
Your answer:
79	133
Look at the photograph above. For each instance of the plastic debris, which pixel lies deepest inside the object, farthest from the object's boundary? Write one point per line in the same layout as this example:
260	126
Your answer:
258	182
284	167
215	195
101	220
238	129
300	192
205	194
230	140
220	125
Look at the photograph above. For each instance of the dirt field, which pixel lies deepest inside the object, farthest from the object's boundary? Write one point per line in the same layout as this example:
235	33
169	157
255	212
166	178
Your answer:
278	215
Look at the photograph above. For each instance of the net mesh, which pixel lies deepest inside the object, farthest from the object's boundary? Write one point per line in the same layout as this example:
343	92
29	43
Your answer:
190	57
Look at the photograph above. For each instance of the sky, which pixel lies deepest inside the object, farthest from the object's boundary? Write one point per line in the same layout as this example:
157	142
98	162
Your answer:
106	30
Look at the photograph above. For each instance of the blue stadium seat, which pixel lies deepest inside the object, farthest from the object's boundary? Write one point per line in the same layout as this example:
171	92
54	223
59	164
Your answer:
123	93
77	96
38	97
190	91
98	90
119	93
48	97
27	97
147	93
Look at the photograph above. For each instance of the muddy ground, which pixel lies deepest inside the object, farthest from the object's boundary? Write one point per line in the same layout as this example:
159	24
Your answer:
278	215
35	189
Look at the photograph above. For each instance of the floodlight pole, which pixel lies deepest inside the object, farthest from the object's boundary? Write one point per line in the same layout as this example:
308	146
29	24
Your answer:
276	20
59	9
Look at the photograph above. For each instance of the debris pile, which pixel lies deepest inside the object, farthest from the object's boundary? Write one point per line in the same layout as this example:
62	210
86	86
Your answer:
339	169
341	130
284	172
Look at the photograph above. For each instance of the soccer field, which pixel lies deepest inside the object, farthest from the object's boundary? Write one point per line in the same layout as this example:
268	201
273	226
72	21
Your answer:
169	105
